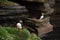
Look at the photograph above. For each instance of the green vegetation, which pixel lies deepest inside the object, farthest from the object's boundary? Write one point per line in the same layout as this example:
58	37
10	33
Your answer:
8	33
6	2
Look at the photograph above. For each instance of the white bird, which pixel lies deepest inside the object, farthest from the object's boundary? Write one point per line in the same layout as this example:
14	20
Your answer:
19	26
42	16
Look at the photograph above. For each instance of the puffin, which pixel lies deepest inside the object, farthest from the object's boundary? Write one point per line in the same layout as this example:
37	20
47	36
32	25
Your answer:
42	16
19	25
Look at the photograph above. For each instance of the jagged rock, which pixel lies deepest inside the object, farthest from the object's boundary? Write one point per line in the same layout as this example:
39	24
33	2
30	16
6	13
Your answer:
45	28
41	26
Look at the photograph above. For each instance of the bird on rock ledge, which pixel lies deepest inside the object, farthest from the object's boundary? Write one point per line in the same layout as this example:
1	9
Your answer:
42	16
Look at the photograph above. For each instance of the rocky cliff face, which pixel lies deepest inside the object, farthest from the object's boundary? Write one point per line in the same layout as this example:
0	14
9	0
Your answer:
35	9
